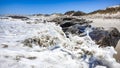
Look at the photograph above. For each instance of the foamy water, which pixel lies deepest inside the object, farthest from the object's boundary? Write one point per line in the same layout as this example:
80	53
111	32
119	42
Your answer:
50	48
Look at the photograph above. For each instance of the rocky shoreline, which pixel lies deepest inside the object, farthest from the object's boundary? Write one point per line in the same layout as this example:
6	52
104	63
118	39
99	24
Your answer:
64	38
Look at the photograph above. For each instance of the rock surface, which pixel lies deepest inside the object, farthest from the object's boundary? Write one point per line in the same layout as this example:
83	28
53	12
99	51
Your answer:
103	37
73	25
109	37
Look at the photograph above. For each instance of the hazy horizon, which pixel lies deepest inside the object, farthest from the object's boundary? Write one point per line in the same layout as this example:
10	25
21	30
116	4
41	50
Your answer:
53	6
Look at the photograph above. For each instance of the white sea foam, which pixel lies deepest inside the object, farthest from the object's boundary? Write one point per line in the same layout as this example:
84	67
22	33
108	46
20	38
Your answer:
62	52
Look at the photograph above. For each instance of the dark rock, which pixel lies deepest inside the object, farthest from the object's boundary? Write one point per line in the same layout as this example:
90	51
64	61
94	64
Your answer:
75	13
69	12
31	58
76	29
19	17
78	13
63	20
5	46
104	37
67	24
72	25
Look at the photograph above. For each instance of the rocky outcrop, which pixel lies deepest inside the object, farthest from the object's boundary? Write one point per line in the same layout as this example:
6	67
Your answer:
74	13
72	25
103	37
74	20
75	26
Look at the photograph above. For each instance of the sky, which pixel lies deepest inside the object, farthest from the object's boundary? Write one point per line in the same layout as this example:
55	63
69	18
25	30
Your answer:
52	6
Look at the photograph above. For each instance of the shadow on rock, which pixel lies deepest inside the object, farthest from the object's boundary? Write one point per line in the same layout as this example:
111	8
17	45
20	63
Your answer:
103	37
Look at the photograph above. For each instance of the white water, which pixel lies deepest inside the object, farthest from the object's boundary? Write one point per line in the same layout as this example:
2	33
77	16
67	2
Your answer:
59	51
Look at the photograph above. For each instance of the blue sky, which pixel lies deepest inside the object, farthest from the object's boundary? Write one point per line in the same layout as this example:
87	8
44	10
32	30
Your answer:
52	6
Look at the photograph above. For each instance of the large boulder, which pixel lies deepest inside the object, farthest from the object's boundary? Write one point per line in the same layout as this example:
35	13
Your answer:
105	37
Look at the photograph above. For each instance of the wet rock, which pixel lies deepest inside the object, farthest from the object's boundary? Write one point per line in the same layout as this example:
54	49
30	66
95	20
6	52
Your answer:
103	37
75	29
74	20
67	24
73	25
